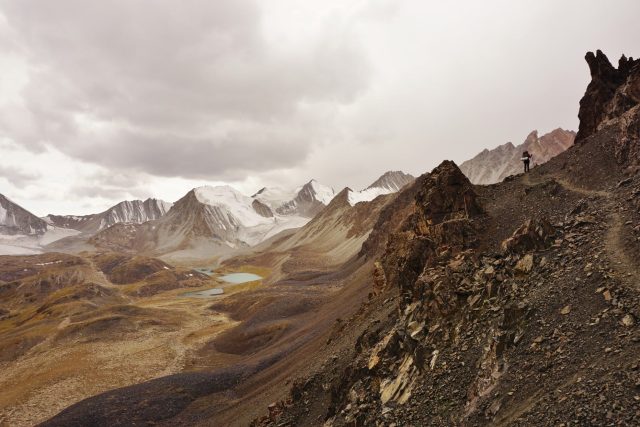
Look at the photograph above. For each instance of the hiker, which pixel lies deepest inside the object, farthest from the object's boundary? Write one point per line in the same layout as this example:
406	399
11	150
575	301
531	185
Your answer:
526	158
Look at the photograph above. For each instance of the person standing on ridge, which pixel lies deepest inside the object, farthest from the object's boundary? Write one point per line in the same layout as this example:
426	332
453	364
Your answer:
526	158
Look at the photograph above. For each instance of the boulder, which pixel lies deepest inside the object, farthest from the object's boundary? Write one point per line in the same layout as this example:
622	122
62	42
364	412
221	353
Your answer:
525	265
534	234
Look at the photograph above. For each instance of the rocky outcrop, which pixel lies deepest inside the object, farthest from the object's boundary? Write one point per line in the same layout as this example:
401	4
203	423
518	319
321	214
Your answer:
612	100
261	209
492	166
534	234
440	225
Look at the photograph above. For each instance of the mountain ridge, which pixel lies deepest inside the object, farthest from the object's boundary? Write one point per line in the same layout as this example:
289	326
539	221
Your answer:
492	166
127	211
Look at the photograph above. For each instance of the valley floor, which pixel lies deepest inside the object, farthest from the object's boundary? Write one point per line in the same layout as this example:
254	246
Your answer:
53	375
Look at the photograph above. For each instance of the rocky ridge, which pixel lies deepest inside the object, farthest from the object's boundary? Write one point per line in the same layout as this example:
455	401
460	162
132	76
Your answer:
128	211
612	100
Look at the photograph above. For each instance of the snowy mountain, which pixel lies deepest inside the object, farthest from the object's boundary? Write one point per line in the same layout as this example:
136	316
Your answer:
310	199
492	166
129	211
205	217
274	197
23	233
16	220
388	183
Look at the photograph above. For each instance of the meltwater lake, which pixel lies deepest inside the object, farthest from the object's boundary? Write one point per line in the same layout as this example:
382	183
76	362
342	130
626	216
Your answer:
240	278
234	278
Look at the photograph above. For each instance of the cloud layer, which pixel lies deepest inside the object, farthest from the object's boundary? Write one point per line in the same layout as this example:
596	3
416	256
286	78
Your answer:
187	89
101	101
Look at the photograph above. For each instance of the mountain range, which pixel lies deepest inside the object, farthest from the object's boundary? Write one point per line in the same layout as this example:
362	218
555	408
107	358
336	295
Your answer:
215	219
128	211
492	166
206	220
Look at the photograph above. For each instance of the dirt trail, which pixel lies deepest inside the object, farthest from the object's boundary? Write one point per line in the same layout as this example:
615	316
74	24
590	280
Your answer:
627	270
623	265
526	180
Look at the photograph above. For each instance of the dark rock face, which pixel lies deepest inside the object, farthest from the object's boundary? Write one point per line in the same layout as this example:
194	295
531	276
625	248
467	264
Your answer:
612	99
262	209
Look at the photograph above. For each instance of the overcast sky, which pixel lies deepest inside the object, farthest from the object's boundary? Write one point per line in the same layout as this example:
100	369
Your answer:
102	101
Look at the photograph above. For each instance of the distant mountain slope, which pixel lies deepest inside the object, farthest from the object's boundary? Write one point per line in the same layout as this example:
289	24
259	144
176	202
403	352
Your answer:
21	232
16	220
491	166
128	211
389	182
214	220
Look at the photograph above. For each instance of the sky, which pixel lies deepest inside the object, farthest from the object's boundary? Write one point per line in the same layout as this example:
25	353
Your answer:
128	99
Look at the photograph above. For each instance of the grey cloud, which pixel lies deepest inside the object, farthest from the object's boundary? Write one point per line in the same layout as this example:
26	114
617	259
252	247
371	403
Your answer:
111	185
113	193
177	89
18	177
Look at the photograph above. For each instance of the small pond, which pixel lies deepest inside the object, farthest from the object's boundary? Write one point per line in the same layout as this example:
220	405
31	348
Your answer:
237	278
234	278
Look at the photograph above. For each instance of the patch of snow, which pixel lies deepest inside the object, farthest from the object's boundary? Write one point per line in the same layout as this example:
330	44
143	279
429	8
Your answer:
49	263
233	202
274	197
368	194
17	250
324	193
20	244
3	216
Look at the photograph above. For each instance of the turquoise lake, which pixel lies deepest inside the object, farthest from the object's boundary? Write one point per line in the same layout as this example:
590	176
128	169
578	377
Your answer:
235	278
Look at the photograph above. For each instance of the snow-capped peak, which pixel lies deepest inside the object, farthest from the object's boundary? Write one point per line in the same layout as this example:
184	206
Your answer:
322	193
220	195
274	197
232	201
389	182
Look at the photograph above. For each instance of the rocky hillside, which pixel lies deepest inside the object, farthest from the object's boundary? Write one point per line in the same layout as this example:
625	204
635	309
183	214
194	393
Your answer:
514	304
491	166
16	220
128	211
511	304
